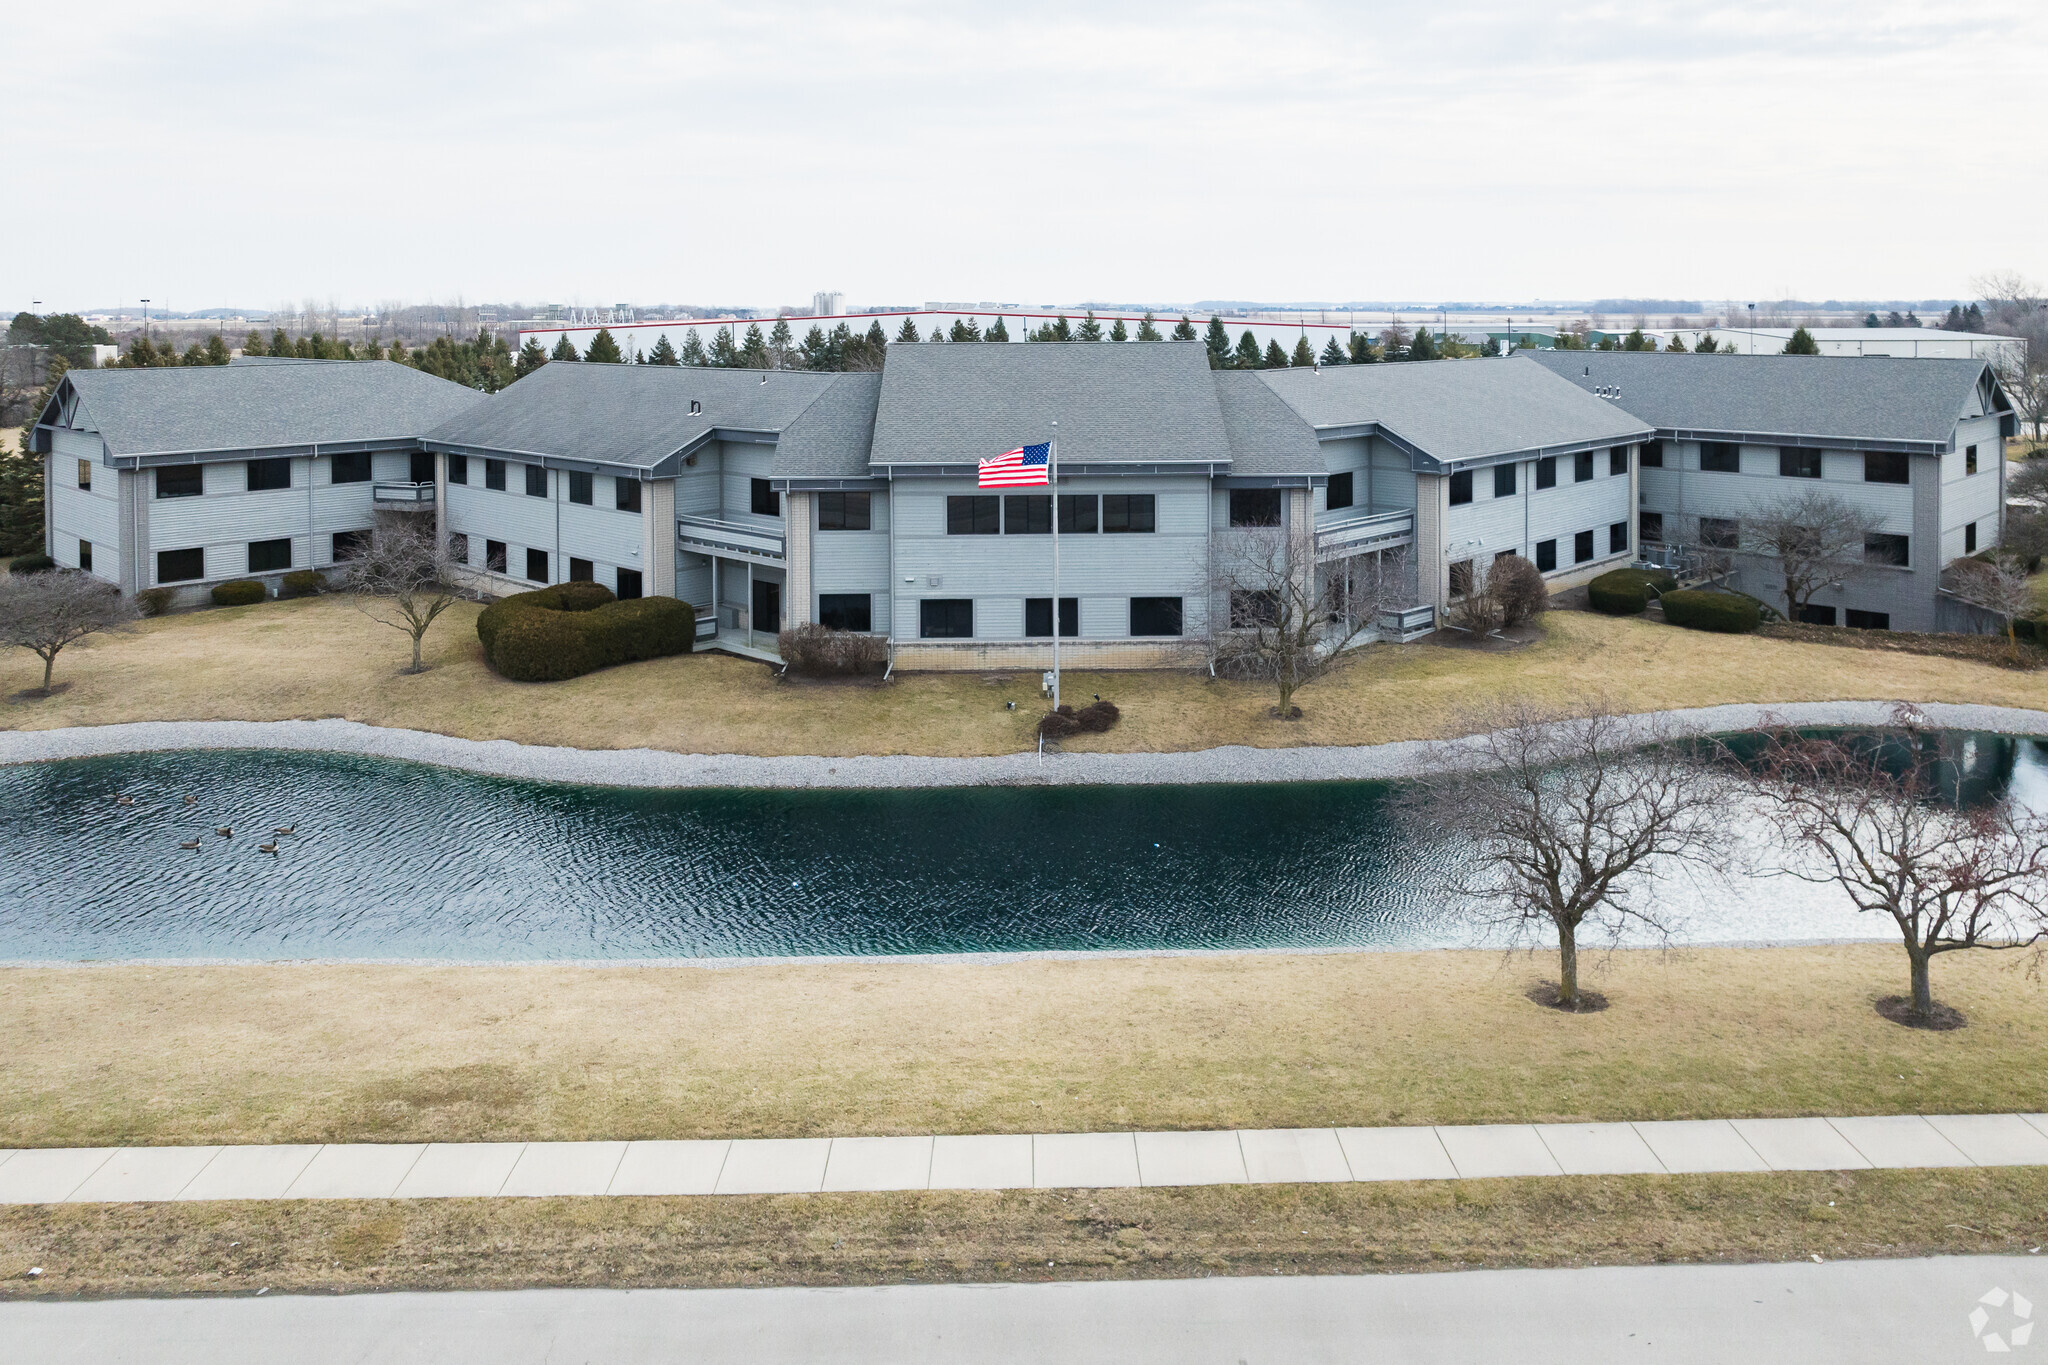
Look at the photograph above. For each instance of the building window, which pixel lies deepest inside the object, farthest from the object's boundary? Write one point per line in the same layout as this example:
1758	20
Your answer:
974	514
1461	578
349	544
1038	617
1617	538
846	610
1582	466
1546	555
1251	608
1886	466
421	466
85	474
537	566
458	469
579	488
351	467
1504	480
1338	494
629	584
1077	514
1867	620
1155	616
1720	533
1027	514
845	512
582	570
1720	457
1617	461
458	546
1970	539
494	556
85	555
1582	547
179	481
494	475
1127	512
1881	548
946	618
1653	454
536	481
1652	525
626	494
1254	507
1810	615
1970	459
270	556
180	566
763	500
1546	472
1794	462
1461	488
265	475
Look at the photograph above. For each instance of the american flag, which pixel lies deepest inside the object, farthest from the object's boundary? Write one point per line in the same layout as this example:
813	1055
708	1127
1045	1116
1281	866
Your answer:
1016	468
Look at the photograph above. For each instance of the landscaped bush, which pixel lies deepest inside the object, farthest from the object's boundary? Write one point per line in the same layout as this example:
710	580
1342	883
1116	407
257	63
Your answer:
1097	716
239	593
576	628
155	601
1729	613
302	583
37	562
1625	592
1518	589
1059	724
819	651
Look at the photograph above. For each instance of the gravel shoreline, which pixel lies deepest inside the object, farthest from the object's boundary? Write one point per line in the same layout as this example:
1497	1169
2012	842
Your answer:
661	768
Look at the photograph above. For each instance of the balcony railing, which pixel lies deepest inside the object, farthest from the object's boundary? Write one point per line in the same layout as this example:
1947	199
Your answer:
1362	535
402	494
729	537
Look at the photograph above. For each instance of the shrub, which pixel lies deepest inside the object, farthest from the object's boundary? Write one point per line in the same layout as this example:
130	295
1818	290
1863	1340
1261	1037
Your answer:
1518	589
37	562
302	583
1059	724
155	601
1097	716
239	593
575	628
819	651
1625	592
1729	613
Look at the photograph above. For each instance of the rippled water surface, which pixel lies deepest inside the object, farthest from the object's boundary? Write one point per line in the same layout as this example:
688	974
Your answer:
395	860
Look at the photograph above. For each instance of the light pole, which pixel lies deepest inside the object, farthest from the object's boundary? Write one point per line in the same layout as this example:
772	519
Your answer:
145	319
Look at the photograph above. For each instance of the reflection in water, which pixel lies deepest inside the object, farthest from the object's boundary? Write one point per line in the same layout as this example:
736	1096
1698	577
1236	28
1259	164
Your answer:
395	860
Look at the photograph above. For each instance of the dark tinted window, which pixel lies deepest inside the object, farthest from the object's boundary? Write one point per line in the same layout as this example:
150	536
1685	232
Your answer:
1155	616
1653	454
269	556
1504	481
537	566
349	544
1867	620
353	467
1796	462
1127	512
1886	466
1652	527
494	474
1582	547
458	469
1582	466
1720	533
1254	607
265	475
1038	617
1077	513
1254	507
763	500
579	488
977	514
458	546
1617	460
1339	492
494	556
846	610
1880	548
180	566
1546	555
1027	514
1617	538
582	570
844	512
1970	539
1816	616
626	494
1720	457
421	466
1546	472
85	555
1461	487
946	618
536	481
1970	460
629	585
179	481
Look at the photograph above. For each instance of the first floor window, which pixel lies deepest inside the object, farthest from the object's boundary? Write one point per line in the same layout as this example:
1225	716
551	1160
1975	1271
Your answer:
536	481
1546	472
1251	608
629	584
1461	578
1582	547
1797	462
537	566
1077	514
1617	460
1867	620
1155	616
846	610
1653	527
1720	533
1970	539
763	500
1504	480
351	467
458	547
349	544
1546	555
1461	488
179	481
1881	548
269	556
1254	507
845	512
494	475
1720	457
1027	514
268	474
582	570
458	469
1816	616
494	556
180	566
946	618
579	487
626	494
85	555
1038	617
1128	512
1339	492
85	474
1582	466
1617	538
1886	466
979	514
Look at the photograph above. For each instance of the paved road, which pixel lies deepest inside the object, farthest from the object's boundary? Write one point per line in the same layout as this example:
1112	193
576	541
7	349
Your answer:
1867	1312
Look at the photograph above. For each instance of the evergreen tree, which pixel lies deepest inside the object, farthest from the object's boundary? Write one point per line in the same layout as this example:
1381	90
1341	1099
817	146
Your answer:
1707	345
1247	355
1275	358
1872	321
1148	332
1954	321
253	343
1608	343
1185	331
966	329
280	344
781	344
564	350
725	353
1304	354
816	351
664	353
1802	343
1892	319
605	351
374	350
1423	347
1490	347
693	349
1912	319
1090	329
1676	345
532	357
1217	340
867	351
1973	319
754	349
1363	352
1636	341
195	354
1117	332
996	332
908	333
217	350
1333	354
1060	330
21	477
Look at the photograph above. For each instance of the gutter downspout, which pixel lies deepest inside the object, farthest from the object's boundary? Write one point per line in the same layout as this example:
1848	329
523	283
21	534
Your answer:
312	461
890	671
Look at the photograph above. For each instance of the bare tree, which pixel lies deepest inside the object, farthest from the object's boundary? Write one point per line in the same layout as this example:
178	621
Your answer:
404	578
1998	585
1880	813
46	611
1290	618
1816	538
1564	819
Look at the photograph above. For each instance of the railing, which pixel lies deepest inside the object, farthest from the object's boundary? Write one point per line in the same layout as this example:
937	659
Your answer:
709	533
407	494
1360	535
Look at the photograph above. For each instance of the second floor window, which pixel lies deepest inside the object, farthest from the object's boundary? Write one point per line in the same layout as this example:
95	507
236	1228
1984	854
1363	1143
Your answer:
494	474
1795	462
352	467
845	512
536	481
1503	481
179	481
1254	507
1339	493
979	514
1886	466
1461	488
579	488
1720	457
1128	512
626	494
764	501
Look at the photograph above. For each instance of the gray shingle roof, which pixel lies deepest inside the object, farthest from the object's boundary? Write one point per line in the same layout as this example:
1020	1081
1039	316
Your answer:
1134	403
1844	398
1266	435
633	415
830	439
203	408
1457	410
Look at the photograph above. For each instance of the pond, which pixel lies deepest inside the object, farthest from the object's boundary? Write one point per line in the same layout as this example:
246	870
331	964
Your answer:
400	861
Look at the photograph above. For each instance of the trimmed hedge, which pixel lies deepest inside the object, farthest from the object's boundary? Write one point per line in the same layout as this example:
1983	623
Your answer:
155	601
38	562
818	651
302	583
1625	592
240	593
1726	612
575	628
1066	721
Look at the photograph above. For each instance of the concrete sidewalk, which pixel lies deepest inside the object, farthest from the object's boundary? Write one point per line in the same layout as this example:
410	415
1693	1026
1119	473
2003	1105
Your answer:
457	1170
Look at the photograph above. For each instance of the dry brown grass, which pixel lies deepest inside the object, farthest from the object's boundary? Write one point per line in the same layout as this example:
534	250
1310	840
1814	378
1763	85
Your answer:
131	1249
318	657
303	1053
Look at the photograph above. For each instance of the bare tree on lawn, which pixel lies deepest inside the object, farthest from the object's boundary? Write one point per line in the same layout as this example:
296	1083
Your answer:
1816	540
1290	619
1880	814
1565	819
44	612
1998	585
404	578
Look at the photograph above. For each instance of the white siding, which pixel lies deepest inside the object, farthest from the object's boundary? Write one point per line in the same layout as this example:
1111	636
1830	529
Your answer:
1489	525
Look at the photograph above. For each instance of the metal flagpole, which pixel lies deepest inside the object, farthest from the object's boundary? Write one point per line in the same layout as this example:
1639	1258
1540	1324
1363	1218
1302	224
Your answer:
1052	480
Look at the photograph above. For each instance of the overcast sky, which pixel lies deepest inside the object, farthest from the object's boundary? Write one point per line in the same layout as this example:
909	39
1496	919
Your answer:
749	153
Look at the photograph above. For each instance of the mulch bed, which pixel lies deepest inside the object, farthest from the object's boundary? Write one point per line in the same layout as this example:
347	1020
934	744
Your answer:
1544	993
1983	649
1940	1019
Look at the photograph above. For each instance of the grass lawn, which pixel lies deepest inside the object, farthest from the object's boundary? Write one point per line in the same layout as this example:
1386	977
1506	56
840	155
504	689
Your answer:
318	658
309	1053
